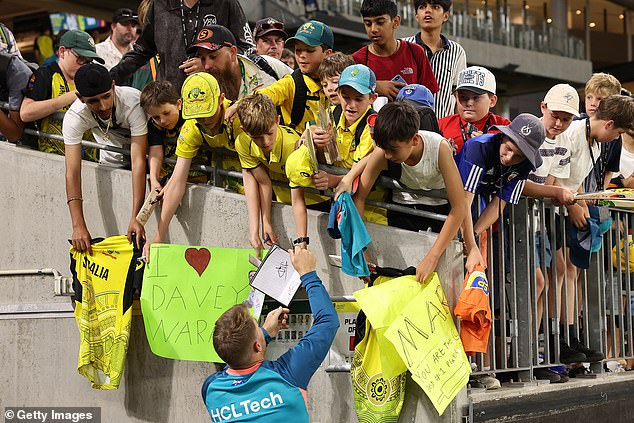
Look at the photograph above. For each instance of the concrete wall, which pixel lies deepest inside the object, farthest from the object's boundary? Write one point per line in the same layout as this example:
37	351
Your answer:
40	354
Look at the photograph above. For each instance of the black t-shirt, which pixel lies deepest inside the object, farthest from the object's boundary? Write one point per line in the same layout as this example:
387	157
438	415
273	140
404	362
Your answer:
164	136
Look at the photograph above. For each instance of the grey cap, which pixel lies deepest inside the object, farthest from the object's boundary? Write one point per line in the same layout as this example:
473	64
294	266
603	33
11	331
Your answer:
528	133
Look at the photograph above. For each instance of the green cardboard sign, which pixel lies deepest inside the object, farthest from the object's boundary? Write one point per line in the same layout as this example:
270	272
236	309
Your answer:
185	290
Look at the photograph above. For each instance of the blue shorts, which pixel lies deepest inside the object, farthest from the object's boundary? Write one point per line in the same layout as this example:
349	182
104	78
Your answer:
538	249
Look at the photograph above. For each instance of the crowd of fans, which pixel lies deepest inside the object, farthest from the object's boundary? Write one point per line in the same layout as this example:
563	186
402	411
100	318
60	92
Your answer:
210	81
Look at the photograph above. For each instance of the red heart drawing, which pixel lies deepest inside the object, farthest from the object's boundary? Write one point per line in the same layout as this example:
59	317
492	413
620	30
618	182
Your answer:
198	259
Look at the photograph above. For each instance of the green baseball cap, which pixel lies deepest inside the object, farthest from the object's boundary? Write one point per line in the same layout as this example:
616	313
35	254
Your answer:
82	43
314	33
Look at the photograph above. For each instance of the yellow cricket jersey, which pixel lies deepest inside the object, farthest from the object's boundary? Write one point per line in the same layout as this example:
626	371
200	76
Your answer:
252	156
104	283
193	134
282	93
349	152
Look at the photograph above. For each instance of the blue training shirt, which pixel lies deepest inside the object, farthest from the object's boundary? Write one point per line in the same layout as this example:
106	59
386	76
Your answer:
272	392
482	173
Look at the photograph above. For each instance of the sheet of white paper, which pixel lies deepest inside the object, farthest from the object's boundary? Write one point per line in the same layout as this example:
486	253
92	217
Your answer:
276	277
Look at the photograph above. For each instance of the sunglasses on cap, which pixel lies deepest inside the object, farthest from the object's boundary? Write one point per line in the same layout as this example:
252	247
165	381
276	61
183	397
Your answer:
273	25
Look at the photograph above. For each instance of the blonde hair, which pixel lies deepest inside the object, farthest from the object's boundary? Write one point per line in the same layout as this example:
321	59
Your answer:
257	114
334	64
604	84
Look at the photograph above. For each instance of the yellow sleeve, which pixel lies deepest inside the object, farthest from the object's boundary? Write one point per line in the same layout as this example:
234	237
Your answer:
243	147
365	147
281	92
189	140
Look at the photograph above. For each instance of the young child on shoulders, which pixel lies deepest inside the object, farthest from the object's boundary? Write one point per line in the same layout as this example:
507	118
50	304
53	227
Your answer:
475	95
395	63
419	160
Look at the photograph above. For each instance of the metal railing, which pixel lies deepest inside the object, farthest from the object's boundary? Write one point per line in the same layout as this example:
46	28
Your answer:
600	300
602	320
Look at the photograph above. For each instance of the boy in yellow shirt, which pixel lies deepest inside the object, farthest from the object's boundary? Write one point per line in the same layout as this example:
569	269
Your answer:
264	148
356	91
203	110
299	94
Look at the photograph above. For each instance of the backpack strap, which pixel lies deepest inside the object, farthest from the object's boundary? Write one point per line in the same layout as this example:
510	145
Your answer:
336	113
264	66
361	127
299	100
5	38
5	59
411	50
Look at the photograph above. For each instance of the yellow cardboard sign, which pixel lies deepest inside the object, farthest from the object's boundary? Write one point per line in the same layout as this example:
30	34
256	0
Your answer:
382	304
425	337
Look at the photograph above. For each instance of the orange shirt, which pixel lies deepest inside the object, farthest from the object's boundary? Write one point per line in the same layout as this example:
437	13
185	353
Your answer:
474	311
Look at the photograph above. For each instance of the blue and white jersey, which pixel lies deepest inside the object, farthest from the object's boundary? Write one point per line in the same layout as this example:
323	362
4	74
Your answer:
261	396
274	391
482	173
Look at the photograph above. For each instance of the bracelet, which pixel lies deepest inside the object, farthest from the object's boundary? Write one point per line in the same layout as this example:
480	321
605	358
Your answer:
301	239
74	199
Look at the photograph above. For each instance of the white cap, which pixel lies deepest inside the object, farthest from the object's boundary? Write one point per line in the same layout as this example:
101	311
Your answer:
476	79
562	98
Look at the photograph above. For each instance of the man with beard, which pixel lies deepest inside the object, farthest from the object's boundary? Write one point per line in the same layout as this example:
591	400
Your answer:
116	118
124	24
237	75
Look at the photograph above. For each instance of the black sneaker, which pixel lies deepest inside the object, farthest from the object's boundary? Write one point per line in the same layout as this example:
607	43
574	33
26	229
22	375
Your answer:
568	355
547	374
591	355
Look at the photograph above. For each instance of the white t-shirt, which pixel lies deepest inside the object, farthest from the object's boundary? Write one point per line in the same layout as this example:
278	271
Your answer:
626	165
110	53
129	120
424	175
255	78
555	156
580	158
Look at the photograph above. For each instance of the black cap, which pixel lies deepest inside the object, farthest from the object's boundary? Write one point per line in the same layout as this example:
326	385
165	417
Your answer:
92	79
212	37
124	15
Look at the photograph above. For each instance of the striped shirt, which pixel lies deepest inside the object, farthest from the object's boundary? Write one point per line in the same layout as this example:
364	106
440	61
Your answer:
446	64
482	173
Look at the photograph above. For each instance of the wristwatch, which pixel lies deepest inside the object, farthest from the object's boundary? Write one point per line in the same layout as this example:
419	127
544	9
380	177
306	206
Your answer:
301	239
